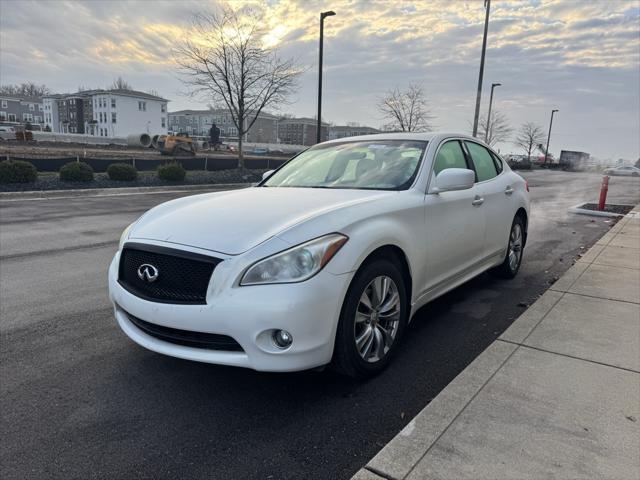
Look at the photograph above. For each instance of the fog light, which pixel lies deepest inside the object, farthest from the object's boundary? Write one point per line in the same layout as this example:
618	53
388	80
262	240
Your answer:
282	338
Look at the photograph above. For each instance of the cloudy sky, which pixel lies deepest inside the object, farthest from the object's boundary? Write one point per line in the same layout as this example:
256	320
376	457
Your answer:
579	56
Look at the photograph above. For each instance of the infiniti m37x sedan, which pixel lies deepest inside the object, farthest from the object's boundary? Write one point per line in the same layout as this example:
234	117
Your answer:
324	261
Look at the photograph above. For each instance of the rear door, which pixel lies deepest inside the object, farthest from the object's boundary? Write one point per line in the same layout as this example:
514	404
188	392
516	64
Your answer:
455	223
494	187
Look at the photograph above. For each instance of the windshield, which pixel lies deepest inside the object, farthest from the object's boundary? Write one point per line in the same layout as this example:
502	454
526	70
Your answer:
376	165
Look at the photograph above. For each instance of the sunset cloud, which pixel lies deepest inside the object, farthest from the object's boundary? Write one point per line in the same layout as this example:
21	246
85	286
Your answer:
582	57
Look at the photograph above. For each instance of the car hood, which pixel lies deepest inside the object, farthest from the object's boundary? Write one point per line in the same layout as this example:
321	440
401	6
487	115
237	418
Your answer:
235	221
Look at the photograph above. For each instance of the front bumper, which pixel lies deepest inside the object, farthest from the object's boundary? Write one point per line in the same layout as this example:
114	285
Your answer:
309	311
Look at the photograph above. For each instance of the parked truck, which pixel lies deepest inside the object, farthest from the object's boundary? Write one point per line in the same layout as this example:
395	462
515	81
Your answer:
574	161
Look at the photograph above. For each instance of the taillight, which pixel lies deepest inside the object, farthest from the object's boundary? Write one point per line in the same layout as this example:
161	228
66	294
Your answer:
526	185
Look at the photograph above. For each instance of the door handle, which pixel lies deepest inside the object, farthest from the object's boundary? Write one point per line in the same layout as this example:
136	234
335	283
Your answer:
508	190
477	201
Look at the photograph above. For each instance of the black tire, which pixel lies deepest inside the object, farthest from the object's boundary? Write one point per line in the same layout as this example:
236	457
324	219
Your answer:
507	269
347	360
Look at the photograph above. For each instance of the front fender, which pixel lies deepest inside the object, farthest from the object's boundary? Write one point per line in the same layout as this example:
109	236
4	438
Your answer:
369	236
399	221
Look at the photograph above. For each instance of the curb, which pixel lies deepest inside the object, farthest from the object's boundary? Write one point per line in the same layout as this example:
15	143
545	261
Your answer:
595	213
111	192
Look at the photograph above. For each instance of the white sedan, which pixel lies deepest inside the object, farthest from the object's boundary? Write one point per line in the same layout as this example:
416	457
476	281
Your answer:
326	260
623	171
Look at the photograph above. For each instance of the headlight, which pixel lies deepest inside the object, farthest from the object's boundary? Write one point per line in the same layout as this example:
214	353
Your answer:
296	264
124	236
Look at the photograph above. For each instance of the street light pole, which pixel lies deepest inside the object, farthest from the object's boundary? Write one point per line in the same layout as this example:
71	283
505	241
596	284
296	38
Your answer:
487	4
323	15
546	150
486	132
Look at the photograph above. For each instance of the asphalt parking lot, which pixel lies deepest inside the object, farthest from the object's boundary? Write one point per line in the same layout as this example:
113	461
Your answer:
80	400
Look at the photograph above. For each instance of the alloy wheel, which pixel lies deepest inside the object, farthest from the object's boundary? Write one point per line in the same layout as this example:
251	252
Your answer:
377	319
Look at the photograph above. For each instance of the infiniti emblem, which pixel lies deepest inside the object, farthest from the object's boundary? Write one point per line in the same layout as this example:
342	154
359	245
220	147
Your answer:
148	272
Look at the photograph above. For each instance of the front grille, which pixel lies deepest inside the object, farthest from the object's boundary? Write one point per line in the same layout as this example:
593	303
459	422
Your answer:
187	338
183	277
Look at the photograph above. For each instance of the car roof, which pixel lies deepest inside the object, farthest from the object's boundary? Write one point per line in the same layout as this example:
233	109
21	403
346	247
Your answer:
423	136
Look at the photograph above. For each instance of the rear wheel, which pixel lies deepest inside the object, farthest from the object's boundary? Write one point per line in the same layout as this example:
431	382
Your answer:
372	320
509	268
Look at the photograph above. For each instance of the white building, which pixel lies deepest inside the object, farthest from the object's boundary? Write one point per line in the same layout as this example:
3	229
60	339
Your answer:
106	113
50	106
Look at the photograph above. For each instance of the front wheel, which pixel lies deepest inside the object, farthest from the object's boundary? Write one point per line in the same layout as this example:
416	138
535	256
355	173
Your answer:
372	320
513	259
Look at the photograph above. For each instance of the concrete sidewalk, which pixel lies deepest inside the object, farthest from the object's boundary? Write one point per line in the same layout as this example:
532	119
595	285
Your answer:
556	396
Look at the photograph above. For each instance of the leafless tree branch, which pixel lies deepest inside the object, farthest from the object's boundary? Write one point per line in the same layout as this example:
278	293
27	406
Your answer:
226	61
120	84
26	89
406	110
529	135
497	130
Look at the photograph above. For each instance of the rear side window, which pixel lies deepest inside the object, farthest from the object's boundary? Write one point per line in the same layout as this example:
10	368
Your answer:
450	155
482	162
498	162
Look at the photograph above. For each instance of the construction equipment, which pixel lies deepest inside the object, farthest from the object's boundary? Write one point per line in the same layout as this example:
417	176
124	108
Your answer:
546	160
176	145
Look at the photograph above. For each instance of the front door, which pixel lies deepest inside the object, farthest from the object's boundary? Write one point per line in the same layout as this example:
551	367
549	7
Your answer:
496	192
455	225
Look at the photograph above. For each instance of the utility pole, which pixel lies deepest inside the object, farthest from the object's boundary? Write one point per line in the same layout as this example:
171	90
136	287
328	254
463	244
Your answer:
486	133
546	151
487	4
323	15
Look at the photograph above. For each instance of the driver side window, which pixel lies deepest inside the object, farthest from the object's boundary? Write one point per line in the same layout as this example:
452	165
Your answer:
450	155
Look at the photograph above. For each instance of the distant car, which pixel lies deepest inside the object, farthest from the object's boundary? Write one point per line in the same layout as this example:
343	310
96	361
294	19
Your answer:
626	171
226	147
519	162
7	129
326	260
259	151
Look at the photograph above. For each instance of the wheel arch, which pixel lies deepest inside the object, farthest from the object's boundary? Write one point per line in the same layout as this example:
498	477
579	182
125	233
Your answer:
398	257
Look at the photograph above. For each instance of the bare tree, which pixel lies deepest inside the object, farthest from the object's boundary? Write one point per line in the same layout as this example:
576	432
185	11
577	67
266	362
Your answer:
529	135
406	111
25	89
120	84
225	59
498	129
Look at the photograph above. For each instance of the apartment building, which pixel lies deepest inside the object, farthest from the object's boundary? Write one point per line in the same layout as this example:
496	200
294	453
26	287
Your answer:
198	122
14	109
301	131
106	113
345	131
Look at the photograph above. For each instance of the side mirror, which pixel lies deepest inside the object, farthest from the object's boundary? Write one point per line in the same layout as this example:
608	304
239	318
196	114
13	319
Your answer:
452	179
267	174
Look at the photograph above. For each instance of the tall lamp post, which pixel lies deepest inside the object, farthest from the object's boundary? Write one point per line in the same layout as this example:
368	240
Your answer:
546	150
486	132
323	15
487	4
